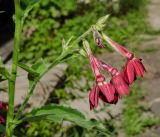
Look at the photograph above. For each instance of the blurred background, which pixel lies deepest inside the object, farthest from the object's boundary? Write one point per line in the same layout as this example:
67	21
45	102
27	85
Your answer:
133	23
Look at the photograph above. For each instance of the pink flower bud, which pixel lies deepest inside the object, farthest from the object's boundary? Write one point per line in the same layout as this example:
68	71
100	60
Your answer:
98	39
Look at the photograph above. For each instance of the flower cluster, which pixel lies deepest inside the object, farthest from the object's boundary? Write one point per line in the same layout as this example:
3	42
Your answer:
120	82
3	110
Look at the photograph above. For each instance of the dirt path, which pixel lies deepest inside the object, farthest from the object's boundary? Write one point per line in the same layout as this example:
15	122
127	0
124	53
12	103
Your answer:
150	51
154	14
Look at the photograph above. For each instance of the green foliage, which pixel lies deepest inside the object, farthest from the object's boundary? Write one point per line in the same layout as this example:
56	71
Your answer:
58	113
2	129
45	129
61	94
39	67
127	5
135	114
30	71
41	26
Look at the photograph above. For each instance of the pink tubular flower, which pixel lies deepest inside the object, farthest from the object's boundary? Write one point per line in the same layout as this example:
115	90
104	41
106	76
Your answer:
106	90
102	89
133	67
98	38
122	88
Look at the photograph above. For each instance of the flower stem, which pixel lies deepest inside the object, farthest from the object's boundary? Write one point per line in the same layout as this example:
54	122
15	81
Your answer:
12	82
55	62
58	60
31	89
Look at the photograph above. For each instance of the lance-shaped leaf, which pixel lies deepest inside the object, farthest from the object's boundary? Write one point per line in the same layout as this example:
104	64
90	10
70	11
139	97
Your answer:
30	71
39	67
58	113
66	44
4	73
101	23
82	52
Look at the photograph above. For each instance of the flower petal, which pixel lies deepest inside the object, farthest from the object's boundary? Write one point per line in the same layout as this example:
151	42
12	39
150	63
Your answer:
120	85
139	67
115	99
93	97
130	72
107	90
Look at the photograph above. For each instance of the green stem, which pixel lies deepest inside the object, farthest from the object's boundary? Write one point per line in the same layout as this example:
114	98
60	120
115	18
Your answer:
12	82
60	58
30	91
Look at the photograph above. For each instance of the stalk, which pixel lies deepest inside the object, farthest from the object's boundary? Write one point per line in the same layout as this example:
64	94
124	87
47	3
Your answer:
58	60
12	82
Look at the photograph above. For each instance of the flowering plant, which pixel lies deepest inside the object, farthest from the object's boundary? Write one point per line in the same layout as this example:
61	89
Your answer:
109	92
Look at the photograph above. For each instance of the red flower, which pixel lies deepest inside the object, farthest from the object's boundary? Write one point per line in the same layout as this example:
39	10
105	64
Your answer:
98	39
102	89
2	120
133	67
3	109
106	90
122	88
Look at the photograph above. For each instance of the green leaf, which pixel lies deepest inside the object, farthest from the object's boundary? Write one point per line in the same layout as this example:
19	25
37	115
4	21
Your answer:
4	73
82	52
40	66
103	19
66	44
2	78
101	23
58	113
30	71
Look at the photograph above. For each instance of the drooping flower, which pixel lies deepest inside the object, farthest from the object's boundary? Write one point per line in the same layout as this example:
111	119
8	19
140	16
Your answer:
98	38
133	67
102	89
122	88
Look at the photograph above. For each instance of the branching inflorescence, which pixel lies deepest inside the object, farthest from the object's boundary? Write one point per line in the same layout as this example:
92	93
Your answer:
119	85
